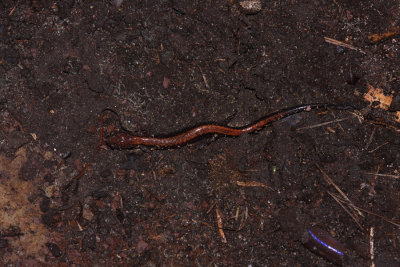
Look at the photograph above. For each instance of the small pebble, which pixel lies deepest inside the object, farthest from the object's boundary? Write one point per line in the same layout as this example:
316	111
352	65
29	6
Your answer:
87	213
48	155
65	155
251	7
166	82
49	190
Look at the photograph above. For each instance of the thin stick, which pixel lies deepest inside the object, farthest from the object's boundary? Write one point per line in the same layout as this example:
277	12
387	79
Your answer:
371	246
369	212
339	43
330	181
101	130
245	215
383	175
380	216
339	125
353	215
220	226
82	171
370	138
204	78
322	124
251	184
383	124
12	10
375	149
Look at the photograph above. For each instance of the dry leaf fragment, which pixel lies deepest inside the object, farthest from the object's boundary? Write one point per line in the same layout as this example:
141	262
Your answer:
397	116
377	95
377	37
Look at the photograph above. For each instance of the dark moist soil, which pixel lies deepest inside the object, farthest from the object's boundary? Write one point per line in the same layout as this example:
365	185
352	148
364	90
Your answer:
165	66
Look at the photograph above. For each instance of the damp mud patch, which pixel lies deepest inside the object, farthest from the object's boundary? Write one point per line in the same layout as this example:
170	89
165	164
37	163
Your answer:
17	212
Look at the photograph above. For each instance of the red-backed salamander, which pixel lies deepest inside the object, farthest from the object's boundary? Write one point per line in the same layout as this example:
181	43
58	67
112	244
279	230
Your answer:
126	141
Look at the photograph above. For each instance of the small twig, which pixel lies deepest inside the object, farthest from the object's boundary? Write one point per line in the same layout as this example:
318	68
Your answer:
204	78
370	138
101	130
12	10
394	239
204	223
338	124
339	43
339	7
330	181
76	178
220	226
79	226
375	149
353	215
368	211
383	175
383	124
380	216
82	171
372	181
371	246
245	215
211	207
322	124
359	115
251	184
237	213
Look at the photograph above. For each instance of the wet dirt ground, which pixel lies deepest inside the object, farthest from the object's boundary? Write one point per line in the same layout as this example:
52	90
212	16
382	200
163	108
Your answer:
166	66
